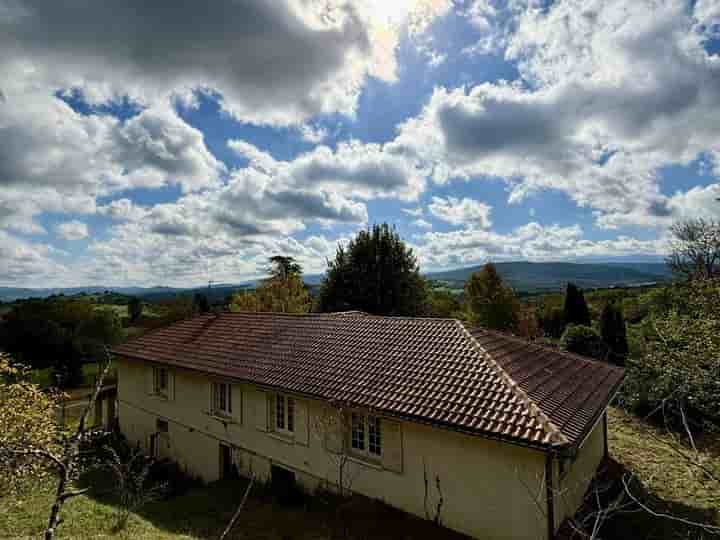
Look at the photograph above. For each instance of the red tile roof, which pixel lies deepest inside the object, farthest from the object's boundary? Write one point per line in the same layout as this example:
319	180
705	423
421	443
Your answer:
426	370
571	390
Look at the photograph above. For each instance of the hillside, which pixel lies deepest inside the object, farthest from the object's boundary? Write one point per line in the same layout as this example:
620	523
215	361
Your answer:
523	276
552	276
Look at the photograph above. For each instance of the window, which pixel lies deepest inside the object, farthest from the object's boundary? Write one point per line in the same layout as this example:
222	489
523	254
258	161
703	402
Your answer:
365	435
221	398
284	413
160	381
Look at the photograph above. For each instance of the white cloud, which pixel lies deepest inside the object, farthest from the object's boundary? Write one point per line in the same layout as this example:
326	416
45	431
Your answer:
468	212
353	169
72	230
532	242
421	223
610	93
413	212
23	263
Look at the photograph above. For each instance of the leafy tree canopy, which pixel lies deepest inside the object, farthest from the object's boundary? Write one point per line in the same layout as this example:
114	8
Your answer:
613	333
376	273
583	340
283	292
489	302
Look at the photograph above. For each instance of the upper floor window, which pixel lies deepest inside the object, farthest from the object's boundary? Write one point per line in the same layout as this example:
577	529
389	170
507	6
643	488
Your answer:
160	381
365	434
222	398
284	413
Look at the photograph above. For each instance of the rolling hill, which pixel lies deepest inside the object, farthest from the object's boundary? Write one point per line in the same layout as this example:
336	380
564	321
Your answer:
523	276
553	276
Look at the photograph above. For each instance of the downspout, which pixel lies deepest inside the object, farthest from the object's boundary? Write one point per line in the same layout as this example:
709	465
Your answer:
550	495
606	453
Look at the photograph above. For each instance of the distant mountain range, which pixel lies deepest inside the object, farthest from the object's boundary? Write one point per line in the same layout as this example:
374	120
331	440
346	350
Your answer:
554	276
522	276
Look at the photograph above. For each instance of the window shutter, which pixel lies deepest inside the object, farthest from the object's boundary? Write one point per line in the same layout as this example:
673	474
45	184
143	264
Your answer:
301	422
261	410
170	384
149	379
392	448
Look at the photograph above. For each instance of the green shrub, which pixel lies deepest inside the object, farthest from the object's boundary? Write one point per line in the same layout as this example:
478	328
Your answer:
584	340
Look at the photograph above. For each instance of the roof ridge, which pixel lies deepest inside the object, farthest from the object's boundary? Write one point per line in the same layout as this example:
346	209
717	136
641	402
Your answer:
553	430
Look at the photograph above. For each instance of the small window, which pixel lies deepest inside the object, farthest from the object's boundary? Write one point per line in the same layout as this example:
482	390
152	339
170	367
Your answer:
160	381
284	413
222	398
365	435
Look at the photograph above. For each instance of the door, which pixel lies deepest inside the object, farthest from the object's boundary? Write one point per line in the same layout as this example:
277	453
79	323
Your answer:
226	464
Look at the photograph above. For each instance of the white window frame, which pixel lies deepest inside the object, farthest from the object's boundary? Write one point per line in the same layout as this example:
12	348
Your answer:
160	389
366	437
217	406
284	414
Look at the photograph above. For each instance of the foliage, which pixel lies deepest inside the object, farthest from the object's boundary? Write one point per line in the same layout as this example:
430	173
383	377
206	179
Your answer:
28	421
552	321
200	303
444	304
576	310
376	273
613	333
130	471
135	308
584	340
695	249
680	368
61	333
287	295
489	302
283	292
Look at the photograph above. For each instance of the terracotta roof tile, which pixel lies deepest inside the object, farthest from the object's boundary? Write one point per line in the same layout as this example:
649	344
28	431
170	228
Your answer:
426	370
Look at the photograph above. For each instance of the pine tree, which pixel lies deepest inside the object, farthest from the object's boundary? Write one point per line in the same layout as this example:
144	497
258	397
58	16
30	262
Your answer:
489	302
376	273
613	333
576	309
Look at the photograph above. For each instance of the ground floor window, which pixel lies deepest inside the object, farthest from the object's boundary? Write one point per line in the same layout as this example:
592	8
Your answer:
222	398
284	413
365	434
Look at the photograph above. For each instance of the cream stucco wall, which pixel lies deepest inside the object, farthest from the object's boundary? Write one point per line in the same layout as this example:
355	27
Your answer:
573	482
491	490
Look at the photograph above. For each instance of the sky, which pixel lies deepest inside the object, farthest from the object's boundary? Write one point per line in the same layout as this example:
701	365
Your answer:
173	143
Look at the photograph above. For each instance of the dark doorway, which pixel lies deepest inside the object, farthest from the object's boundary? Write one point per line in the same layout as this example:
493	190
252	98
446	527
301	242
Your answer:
226	462
283	485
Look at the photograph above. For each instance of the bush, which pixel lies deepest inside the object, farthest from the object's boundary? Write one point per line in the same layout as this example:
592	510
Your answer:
580	339
679	370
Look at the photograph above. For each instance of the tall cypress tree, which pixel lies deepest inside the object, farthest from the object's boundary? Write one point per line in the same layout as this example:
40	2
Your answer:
576	309
613	333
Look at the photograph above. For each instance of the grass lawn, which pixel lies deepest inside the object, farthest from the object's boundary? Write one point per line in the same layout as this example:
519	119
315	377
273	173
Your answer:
635	446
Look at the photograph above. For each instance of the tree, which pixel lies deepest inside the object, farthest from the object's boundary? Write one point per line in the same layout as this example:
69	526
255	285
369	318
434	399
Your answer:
576	310
443	304
28	421
283	292
613	333
695	249
200	303
583	340
376	273
135	308
489	302
282	267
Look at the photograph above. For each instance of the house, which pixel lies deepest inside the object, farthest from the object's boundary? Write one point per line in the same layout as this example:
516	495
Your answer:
491	435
